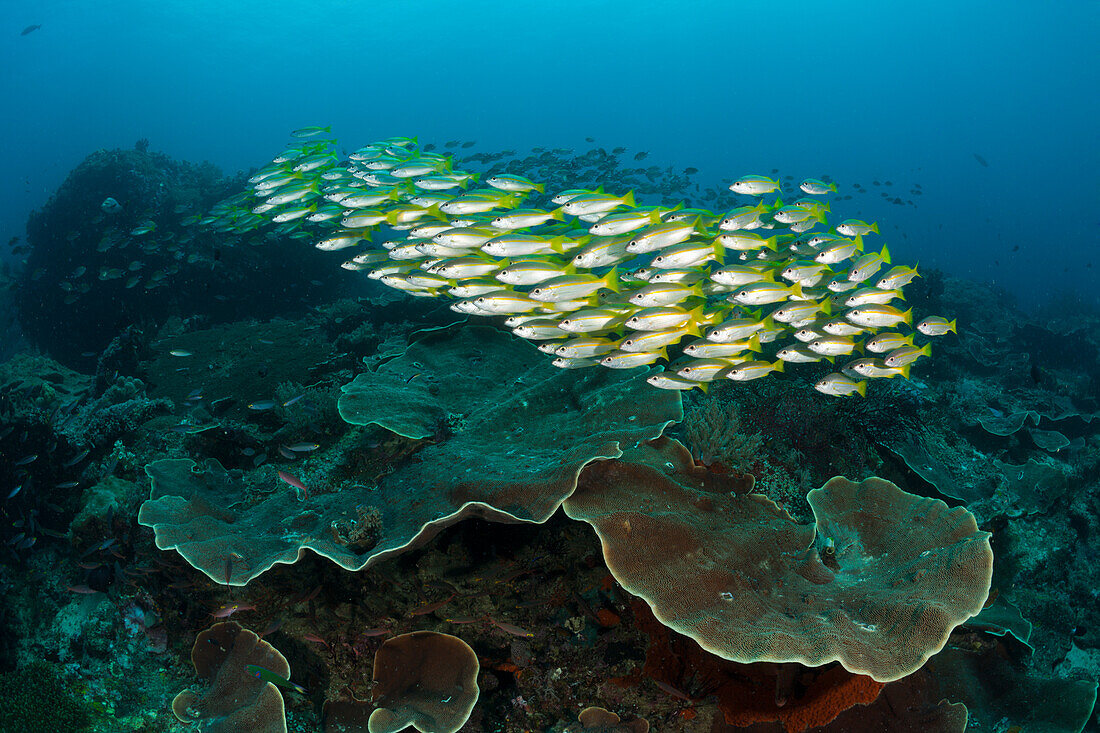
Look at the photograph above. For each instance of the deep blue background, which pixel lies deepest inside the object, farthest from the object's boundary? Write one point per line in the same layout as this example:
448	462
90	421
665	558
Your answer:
856	90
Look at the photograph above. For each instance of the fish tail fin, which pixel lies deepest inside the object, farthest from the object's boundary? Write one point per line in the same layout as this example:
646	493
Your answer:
628	200
778	365
703	386
540	187
557	244
908	320
885	254
861	388
826	306
611	280
655	215
859	243
796	291
874	227
772	243
557	214
951	326
926	349
719	252
832	187
754	343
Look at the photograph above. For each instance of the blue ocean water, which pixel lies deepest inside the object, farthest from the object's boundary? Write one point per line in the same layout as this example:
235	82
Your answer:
334	424
860	91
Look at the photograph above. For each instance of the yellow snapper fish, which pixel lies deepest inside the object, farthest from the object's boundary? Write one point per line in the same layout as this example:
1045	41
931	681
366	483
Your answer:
840	385
749	370
571	287
878	316
815	187
514	184
905	355
631	359
855	227
754	185
898	277
591	320
936	326
540	269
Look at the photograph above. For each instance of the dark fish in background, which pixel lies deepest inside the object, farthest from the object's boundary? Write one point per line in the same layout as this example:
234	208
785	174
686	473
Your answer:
981	160
30	29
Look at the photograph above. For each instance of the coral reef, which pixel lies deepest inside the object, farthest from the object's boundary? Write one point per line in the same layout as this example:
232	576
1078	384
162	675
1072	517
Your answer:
236	699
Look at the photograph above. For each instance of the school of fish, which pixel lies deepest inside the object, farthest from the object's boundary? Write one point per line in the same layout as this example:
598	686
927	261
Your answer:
597	280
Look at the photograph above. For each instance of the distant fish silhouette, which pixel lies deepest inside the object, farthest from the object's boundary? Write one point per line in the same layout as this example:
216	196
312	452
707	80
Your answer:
30	29
981	160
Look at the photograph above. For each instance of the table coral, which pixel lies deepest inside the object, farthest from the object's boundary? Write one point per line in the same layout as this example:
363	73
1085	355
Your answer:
878	586
511	434
424	679
235	701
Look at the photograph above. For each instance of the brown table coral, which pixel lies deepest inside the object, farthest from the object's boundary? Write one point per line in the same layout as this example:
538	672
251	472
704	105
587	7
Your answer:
878	585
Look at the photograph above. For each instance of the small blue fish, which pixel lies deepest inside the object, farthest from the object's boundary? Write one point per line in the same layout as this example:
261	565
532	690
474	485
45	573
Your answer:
260	405
25	460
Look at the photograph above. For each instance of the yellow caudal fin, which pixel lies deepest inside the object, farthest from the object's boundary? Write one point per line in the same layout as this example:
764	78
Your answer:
861	388
778	365
951	326
885	254
908	320
754	343
926	349
611	280
874	227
